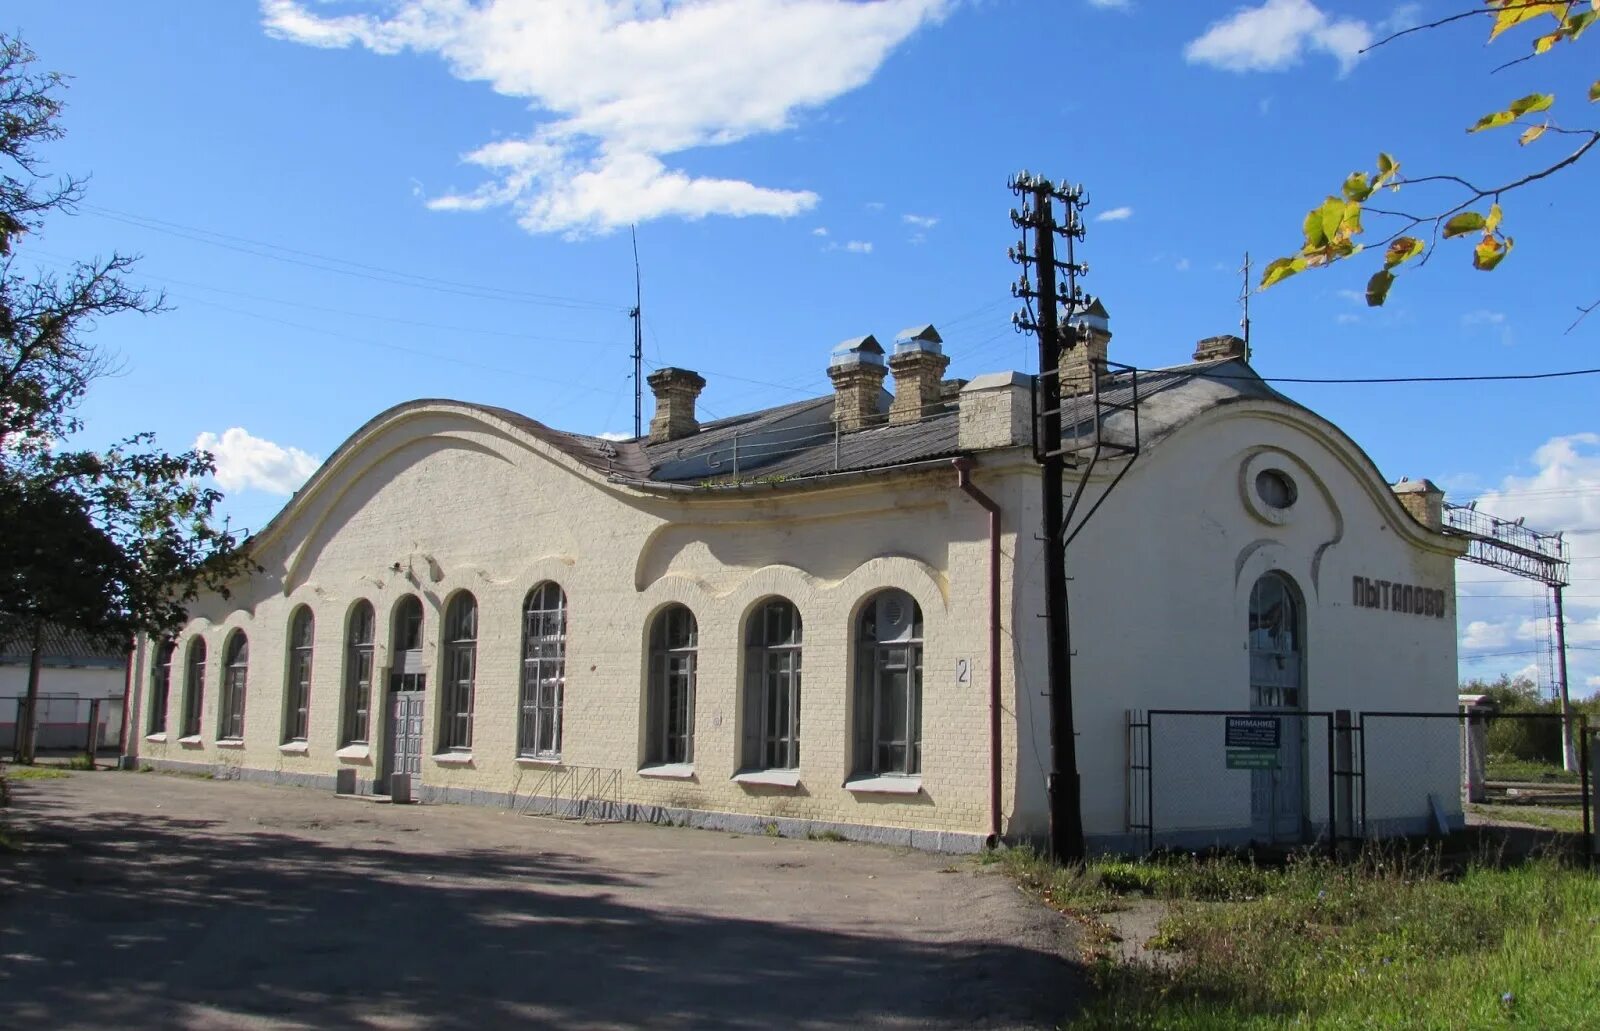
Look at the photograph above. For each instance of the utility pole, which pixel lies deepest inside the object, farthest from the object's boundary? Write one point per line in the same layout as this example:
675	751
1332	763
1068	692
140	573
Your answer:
1569	748
638	341
1244	302
1037	215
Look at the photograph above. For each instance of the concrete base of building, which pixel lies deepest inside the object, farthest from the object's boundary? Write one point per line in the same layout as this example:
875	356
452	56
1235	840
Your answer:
600	810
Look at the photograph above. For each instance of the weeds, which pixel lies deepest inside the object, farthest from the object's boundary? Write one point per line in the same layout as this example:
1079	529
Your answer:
1397	938
35	773
84	761
825	836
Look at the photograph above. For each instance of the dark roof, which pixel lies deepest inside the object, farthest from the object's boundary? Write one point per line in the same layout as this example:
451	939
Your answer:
1168	398
61	647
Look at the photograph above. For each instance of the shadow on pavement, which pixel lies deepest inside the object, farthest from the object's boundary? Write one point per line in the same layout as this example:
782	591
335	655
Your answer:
161	922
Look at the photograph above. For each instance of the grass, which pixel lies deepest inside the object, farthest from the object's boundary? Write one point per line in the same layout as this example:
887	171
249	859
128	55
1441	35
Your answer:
1504	767
81	762
35	773
1549	819
1394	940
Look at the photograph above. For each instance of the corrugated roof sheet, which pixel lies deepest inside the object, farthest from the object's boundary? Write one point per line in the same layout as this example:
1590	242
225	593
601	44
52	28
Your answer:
61	647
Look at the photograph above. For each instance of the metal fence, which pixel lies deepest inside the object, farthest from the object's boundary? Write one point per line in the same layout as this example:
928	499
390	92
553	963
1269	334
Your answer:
63	723
1199	778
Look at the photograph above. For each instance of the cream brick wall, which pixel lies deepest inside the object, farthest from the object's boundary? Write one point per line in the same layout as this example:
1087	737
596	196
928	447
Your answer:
460	501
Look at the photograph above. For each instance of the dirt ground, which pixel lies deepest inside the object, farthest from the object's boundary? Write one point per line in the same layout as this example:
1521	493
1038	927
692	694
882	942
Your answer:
145	900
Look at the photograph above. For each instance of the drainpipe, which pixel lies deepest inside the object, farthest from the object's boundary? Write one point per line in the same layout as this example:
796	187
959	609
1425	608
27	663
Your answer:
963	468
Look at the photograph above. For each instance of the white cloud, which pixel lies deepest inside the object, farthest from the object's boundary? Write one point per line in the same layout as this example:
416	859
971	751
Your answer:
1353	296
858	246
611	435
618	85
820	231
246	462
1483	317
1182	265
1274	35
873	205
1111	5
920	221
1115	215
1347	318
1481	634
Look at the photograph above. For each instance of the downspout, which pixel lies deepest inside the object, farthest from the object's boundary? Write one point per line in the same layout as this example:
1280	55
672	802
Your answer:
963	468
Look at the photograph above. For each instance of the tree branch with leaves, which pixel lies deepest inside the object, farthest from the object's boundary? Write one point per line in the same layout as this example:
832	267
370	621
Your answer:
115	541
1331	230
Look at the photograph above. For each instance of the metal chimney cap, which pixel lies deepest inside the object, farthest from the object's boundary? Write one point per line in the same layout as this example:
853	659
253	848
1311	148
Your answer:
857	351
919	338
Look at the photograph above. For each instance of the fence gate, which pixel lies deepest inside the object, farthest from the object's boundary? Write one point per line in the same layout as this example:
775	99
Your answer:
1204	777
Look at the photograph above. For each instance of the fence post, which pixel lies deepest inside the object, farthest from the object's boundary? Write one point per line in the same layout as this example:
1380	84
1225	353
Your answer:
1592	748
1343	758
1474	747
93	747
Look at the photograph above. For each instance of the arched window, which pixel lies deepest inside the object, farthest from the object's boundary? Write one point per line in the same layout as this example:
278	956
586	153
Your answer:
669	722
161	685
544	671
460	671
235	674
297	687
1274	644
888	686
771	723
194	687
358	638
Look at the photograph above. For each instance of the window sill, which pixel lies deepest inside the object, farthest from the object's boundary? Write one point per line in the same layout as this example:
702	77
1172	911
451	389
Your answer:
193	741
230	742
884	786
294	748
158	736
769	778
669	771
542	762
354	752
453	758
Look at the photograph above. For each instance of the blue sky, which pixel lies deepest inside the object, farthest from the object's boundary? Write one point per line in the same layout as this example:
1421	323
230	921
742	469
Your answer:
351	204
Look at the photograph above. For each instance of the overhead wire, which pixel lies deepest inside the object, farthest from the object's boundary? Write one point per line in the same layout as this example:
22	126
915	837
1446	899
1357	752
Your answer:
361	270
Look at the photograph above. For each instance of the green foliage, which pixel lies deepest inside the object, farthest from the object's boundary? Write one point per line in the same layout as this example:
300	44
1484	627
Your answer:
85	761
115	541
1330	230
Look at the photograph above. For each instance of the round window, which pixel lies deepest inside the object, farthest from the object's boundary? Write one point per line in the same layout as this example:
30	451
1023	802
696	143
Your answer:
1275	489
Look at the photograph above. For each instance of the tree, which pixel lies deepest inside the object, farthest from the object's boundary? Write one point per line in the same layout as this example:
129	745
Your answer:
117	541
1331	229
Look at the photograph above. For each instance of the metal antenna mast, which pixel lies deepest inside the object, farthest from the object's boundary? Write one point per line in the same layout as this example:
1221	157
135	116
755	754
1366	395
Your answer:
1244	301
638	341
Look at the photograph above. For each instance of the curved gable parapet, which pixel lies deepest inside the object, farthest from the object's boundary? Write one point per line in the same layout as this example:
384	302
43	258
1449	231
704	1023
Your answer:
1335	441
585	457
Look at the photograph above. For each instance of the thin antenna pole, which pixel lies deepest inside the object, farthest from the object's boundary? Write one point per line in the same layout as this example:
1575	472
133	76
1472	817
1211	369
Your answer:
1244	301
638	340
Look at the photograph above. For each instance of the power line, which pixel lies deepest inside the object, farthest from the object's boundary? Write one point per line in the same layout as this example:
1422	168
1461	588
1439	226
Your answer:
1485	378
327	263
63	260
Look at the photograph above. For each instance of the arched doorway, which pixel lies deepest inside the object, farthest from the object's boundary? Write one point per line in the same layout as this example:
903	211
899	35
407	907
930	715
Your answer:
1277	686
407	684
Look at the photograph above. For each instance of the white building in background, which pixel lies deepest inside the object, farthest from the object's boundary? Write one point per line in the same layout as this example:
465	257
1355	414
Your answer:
75	674
782	618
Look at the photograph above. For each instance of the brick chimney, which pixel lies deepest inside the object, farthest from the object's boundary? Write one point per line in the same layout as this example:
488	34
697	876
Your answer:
1086	358
1220	348
918	364
675	391
1423	500
857	371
